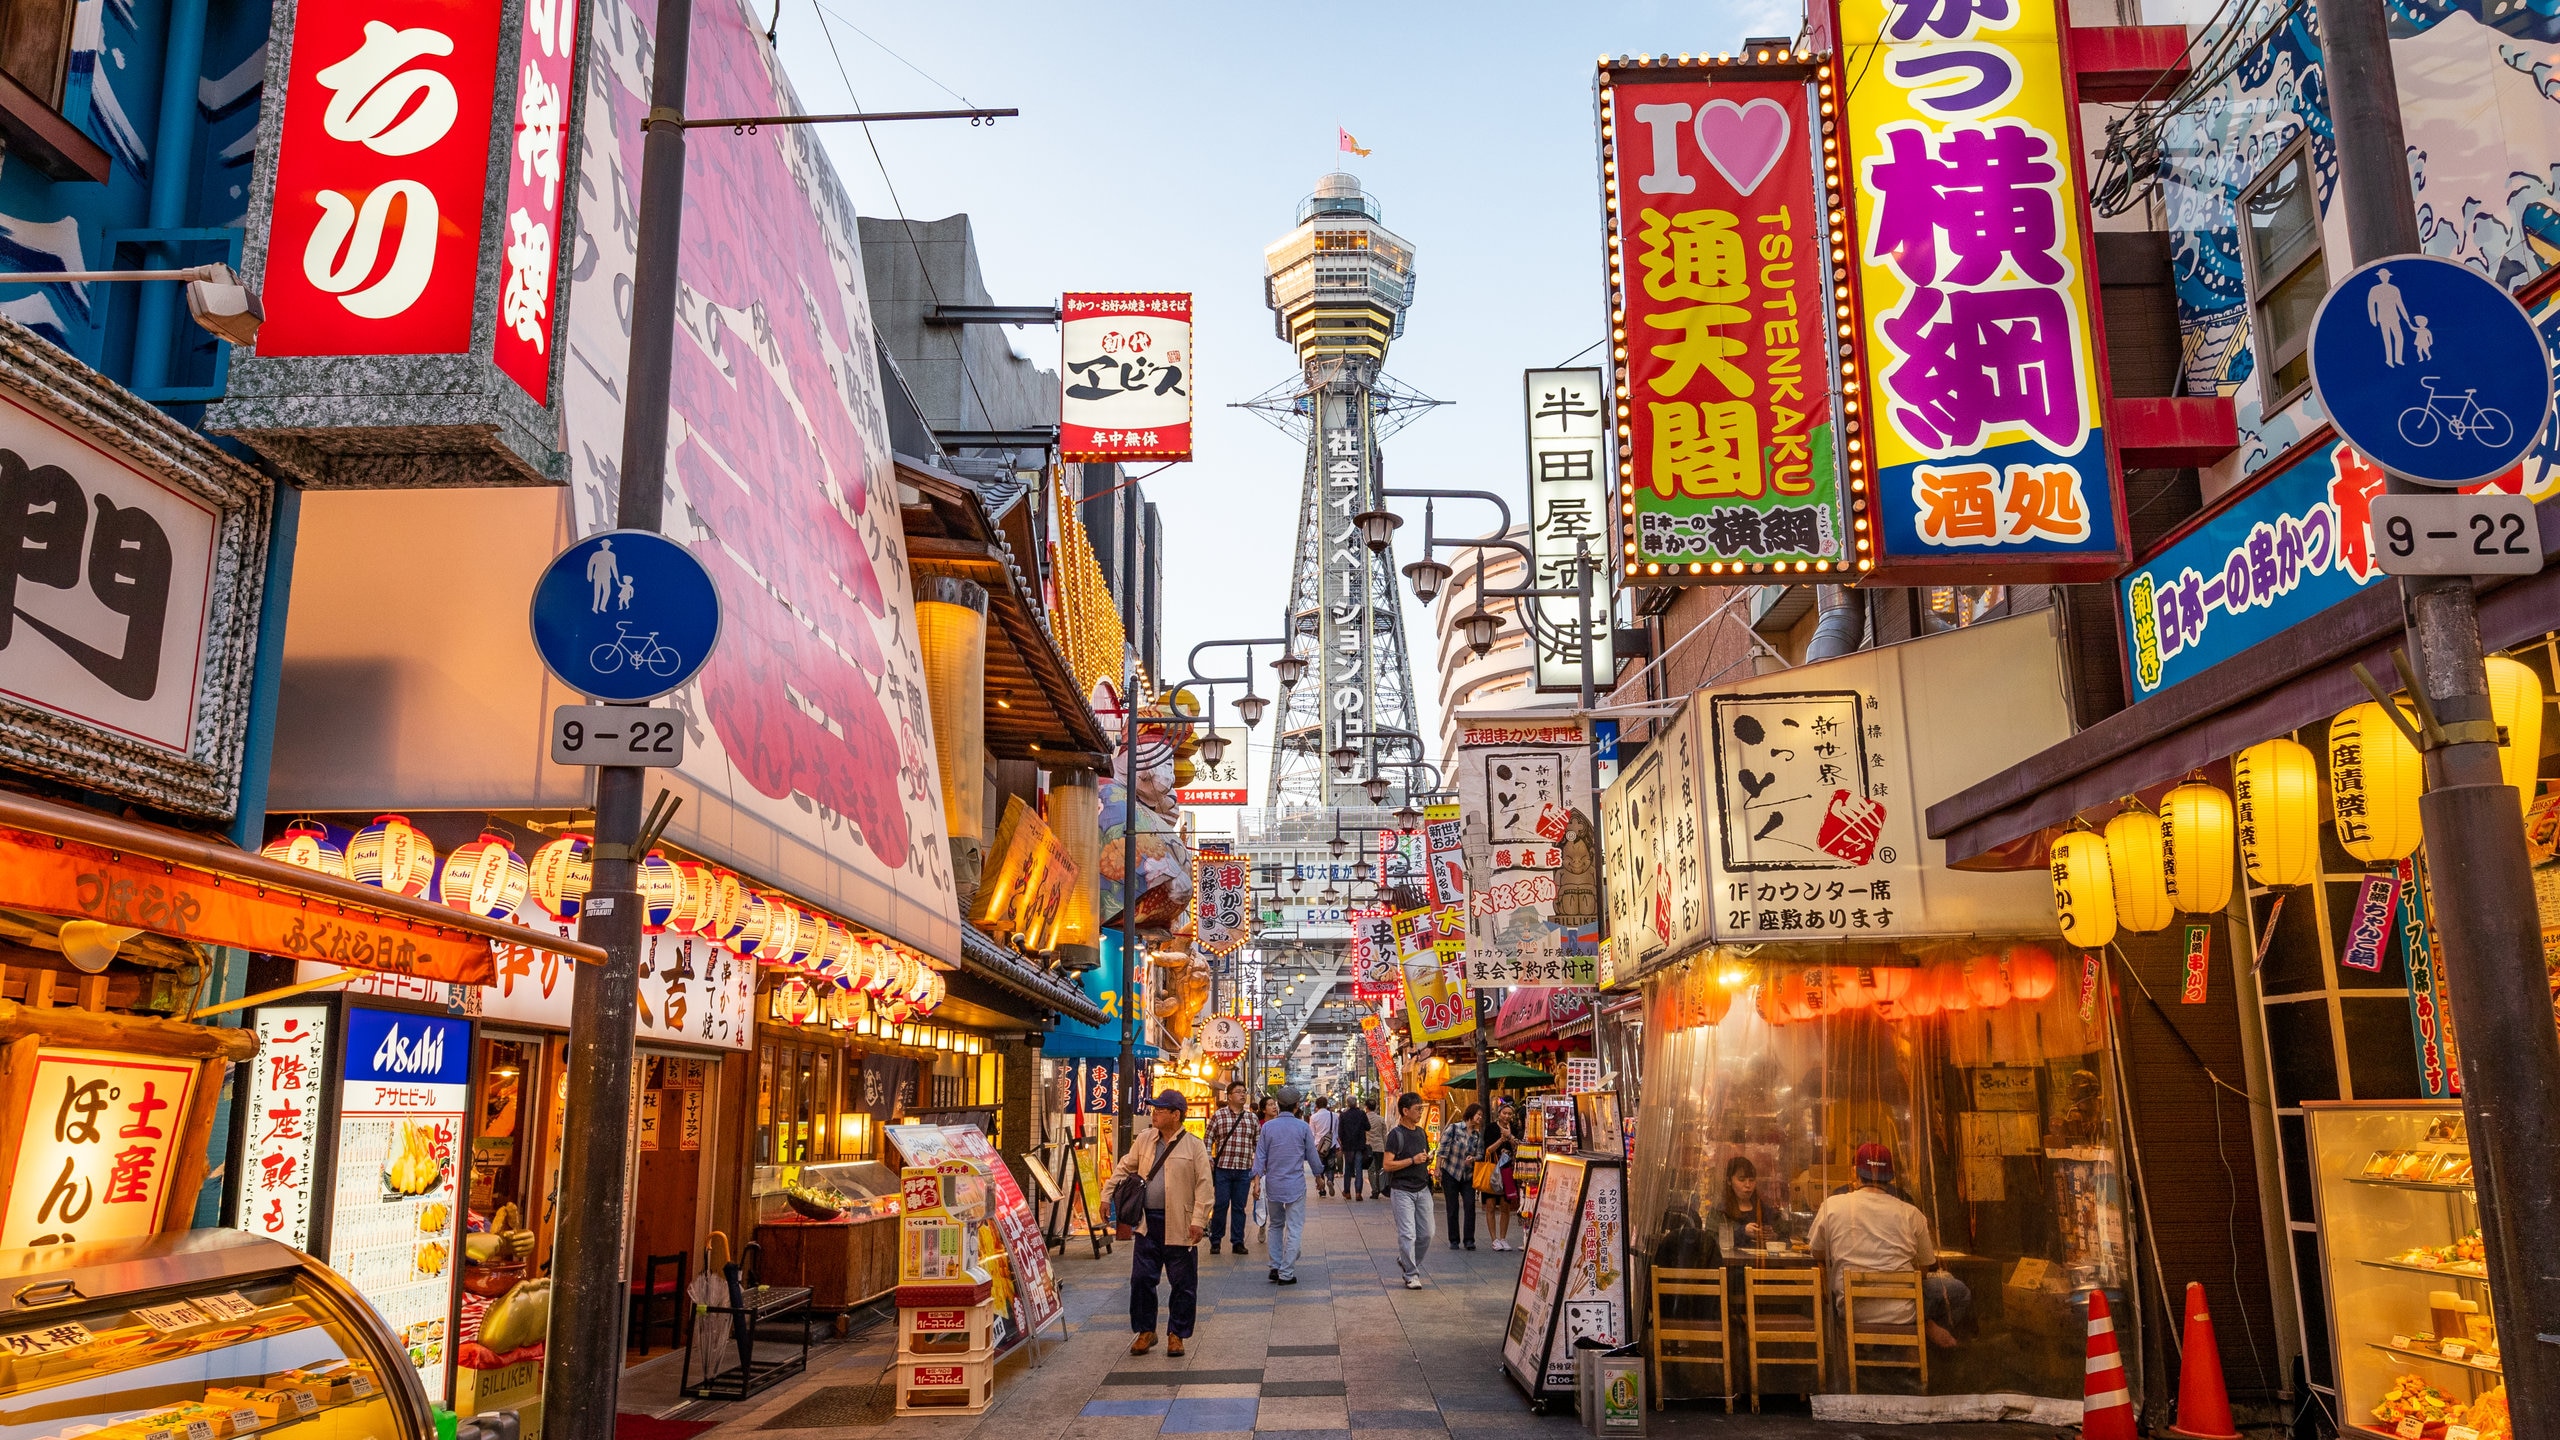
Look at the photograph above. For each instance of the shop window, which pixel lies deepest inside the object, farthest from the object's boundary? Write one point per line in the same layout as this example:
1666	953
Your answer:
2280	212
503	1137
35	70
1952	607
796	1112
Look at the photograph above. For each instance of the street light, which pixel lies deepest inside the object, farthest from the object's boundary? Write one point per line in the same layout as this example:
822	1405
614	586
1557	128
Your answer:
1250	706
1346	755
1480	627
1213	747
1290	669
1378	527
1428	576
1377	787
1407	817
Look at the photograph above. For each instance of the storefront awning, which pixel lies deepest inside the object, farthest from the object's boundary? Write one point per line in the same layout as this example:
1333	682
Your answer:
989	961
60	860
2291	679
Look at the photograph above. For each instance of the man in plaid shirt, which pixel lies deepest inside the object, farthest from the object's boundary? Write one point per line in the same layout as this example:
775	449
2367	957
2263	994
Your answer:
1232	1134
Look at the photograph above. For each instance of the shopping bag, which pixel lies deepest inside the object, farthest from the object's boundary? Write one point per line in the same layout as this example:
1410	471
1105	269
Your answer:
1261	1211
1488	1178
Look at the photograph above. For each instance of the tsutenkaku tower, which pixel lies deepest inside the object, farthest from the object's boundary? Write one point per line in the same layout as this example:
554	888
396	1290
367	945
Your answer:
1338	286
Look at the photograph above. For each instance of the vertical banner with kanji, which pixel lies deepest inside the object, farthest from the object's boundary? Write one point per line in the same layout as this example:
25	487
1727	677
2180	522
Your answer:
1444	854
1533	891
1569	517
1720	282
1125	368
1437	1005
1373	955
1222	901
1979	340
1653	852
281	1154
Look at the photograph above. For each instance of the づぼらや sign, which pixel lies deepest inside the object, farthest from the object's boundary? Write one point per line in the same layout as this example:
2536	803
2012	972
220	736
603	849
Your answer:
1127	377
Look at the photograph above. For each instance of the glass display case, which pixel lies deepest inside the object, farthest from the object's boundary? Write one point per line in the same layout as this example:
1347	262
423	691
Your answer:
2408	1280
200	1335
870	1187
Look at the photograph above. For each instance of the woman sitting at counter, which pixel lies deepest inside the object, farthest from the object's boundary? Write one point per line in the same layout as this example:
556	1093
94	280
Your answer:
1741	1217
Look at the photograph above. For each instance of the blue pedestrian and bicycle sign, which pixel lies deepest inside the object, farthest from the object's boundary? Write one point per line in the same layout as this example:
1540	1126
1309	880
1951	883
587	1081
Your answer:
625	616
2430	369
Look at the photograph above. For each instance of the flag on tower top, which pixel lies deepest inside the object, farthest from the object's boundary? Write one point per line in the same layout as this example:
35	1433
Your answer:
1349	141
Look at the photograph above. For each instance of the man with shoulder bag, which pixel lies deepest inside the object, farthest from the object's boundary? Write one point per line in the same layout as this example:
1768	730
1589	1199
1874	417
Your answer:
1161	1190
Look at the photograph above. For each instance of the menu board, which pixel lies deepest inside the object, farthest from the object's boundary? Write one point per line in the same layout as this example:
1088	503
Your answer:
1573	1274
281	1127
1030	1295
396	1225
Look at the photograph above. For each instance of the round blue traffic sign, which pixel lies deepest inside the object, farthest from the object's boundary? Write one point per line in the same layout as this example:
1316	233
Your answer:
2431	369
626	615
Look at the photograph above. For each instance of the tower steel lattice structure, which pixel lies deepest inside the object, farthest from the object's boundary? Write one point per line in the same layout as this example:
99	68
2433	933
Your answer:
1338	286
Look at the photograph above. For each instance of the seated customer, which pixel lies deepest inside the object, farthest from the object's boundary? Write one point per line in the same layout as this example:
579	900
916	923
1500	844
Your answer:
1870	1228
1741	1217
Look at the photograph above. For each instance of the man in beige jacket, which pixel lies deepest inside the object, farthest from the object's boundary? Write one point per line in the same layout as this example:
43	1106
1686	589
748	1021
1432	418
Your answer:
1179	1197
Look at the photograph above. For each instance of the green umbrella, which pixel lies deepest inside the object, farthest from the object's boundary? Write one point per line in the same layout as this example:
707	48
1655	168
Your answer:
1509	1073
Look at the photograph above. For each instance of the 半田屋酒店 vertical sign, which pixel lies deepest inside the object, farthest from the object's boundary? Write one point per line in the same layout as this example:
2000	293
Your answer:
1721	308
1126	366
1977	358
1568	519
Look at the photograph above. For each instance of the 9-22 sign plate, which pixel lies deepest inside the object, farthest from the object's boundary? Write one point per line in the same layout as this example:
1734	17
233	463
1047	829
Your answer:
616	735
2483	534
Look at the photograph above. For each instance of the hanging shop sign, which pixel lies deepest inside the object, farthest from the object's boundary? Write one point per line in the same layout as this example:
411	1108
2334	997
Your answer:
137	559
1568	442
2429	1019
1719	283
1444	861
99	1138
1027	881
2199	965
1434	992
280	1155
1224	782
1984	450
1524	791
1814	785
1126	369
395	1227
2298	540
1222	901
374	240
2369	930
1651	833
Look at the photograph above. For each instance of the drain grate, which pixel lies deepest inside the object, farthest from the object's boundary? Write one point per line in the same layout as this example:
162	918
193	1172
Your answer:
860	1405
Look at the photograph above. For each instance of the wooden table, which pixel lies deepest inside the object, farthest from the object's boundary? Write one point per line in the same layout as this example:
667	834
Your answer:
842	1262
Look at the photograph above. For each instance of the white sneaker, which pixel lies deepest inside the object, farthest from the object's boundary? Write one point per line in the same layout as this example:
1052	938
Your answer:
1413	1282
1501	1244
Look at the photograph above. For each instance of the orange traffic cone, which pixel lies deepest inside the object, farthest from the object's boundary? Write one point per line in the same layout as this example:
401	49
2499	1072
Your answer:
2107	1412
2204	1407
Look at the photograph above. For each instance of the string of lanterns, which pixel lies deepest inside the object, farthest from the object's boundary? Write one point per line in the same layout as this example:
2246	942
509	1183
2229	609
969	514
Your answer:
2146	868
1984	979
490	878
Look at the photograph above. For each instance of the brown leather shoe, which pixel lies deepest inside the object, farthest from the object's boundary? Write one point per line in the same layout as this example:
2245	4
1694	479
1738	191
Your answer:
1145	1341
1173	1346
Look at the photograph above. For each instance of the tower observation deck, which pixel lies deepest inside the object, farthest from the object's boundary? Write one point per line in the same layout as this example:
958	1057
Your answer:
1339	285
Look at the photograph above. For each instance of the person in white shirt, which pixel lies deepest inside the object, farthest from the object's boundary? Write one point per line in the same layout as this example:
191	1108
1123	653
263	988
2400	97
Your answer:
1871	1228
1322	1124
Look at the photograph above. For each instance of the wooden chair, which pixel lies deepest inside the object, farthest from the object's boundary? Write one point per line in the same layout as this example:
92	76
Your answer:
1685	1341
1788	1332
1893	1338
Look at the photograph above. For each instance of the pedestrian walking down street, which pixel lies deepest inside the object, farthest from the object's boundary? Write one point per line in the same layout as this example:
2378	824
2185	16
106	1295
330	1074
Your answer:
1406	1161
1351	1132
1174	1166
1231	1135
1321	1124
1461	1146
1265	1113
1501	1202
1281	1160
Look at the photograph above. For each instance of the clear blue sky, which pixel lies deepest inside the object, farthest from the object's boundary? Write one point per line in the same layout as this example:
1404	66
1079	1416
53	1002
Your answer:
1162	145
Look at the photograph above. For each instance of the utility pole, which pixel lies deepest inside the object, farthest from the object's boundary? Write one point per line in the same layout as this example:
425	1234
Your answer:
582	1380
2484	899
1129	887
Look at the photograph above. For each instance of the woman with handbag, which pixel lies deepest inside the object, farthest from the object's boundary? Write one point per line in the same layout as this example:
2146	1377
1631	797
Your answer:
1461	1145
1502	1196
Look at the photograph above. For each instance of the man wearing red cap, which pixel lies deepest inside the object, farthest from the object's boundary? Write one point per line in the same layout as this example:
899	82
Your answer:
1871	1228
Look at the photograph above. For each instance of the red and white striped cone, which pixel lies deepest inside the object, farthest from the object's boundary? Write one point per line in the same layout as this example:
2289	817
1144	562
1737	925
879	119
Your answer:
2107	1411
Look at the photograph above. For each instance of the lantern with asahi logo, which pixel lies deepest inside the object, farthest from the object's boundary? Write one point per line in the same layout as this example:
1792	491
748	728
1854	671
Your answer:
410	321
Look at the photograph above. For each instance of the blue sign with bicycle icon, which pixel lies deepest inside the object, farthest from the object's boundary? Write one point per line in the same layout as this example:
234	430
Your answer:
2430	369
625	616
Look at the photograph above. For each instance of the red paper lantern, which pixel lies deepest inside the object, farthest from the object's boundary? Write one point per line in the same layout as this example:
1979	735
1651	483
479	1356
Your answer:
1986	980
1947	979
2032	972
1892	982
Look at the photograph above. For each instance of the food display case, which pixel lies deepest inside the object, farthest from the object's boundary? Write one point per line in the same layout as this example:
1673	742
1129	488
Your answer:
197	1335
2416	1351
833	1229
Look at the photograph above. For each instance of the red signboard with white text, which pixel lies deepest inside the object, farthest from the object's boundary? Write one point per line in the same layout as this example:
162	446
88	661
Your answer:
1128	384
381	173
530	246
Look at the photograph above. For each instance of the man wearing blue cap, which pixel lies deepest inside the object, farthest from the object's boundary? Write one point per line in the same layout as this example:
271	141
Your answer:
1173	1165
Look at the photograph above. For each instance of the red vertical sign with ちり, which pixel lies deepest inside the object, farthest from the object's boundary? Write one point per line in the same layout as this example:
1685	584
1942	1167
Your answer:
381	171
529	247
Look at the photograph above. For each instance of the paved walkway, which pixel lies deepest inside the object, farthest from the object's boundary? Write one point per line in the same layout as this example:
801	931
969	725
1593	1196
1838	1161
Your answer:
1347	1352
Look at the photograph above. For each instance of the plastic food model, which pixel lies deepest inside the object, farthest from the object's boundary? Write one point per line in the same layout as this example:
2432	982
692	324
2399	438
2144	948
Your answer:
2411	1398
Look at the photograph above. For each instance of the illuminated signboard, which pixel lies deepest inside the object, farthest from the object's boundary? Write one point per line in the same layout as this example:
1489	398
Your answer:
1720	298
1978	348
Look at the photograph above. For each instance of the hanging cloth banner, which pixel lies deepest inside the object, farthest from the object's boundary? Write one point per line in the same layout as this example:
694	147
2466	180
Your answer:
2429	1020
2199	964
1444	851
1436	1003
2370	932
72	878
